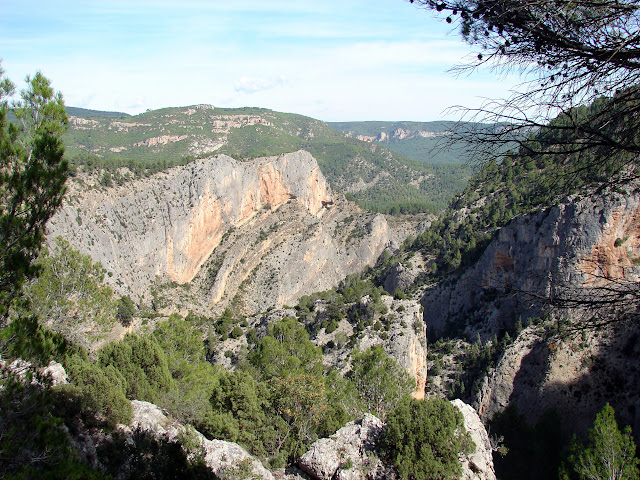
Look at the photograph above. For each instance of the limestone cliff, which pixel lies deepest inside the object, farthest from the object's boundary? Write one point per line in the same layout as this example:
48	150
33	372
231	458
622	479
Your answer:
550	254
567	251
273	224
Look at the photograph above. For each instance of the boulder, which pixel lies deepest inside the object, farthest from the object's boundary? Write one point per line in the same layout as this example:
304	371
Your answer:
348	454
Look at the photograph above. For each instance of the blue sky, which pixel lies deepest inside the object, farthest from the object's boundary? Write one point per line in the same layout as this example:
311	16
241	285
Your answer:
328	59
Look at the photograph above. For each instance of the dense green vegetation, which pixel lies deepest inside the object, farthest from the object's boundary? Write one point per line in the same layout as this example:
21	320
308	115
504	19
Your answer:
424	438
87	113
69	290
276	403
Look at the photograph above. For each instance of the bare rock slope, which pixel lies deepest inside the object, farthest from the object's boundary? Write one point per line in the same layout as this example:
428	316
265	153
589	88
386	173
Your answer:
273	223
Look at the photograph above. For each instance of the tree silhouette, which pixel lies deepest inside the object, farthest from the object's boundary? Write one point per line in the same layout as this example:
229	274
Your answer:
573	54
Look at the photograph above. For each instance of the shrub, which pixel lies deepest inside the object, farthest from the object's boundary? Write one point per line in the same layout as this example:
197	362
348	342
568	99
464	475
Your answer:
101	391
236	332
424	438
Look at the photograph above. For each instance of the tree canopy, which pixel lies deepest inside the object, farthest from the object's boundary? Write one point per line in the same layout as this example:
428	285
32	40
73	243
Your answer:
573	54
610	453
424	439
32	176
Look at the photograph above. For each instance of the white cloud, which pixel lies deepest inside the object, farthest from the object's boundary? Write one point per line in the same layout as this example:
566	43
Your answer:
254	85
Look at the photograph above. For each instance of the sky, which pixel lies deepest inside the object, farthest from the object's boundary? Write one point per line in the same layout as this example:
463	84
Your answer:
334	60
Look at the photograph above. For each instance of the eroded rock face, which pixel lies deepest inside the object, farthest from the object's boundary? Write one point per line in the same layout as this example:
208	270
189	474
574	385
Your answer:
348	454
575	244
259	234
575	376
169	224
407	343
564	251
220	456
402	276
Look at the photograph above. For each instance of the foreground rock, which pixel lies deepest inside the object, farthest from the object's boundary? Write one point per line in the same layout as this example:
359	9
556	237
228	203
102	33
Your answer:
351	453
348	454
223	458
478	465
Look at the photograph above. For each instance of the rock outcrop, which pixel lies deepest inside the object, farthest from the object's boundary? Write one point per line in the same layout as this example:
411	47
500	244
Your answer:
348	454
403	275
407	342
351	453
169	224
575	376
479	464
223	458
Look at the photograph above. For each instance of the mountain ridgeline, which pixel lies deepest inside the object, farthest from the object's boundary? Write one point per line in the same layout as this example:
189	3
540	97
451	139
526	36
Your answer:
377	178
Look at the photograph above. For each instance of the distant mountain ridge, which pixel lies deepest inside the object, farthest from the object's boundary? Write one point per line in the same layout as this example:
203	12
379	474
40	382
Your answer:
374	176
86	112
423	141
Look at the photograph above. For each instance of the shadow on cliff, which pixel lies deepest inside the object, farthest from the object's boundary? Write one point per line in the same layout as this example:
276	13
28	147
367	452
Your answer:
610	374
549	403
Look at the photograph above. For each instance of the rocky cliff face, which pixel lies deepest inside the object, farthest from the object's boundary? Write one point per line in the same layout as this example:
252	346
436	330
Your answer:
566	251
272	222
575	245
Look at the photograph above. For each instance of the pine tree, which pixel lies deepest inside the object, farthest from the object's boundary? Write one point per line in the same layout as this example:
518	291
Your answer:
610	454
32	176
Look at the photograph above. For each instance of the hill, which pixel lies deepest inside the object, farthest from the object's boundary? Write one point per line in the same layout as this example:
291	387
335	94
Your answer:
371	174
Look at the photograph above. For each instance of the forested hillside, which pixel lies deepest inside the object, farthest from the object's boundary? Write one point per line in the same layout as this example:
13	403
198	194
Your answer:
375	177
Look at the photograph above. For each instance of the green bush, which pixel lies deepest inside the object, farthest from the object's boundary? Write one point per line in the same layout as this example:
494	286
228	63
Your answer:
424	438
101	391
379	380
142	363
125	310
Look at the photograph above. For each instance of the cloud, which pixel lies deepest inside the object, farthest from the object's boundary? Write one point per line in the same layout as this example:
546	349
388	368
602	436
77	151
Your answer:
254	85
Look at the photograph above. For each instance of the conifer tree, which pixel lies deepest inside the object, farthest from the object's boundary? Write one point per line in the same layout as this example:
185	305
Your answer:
609	455
32	176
